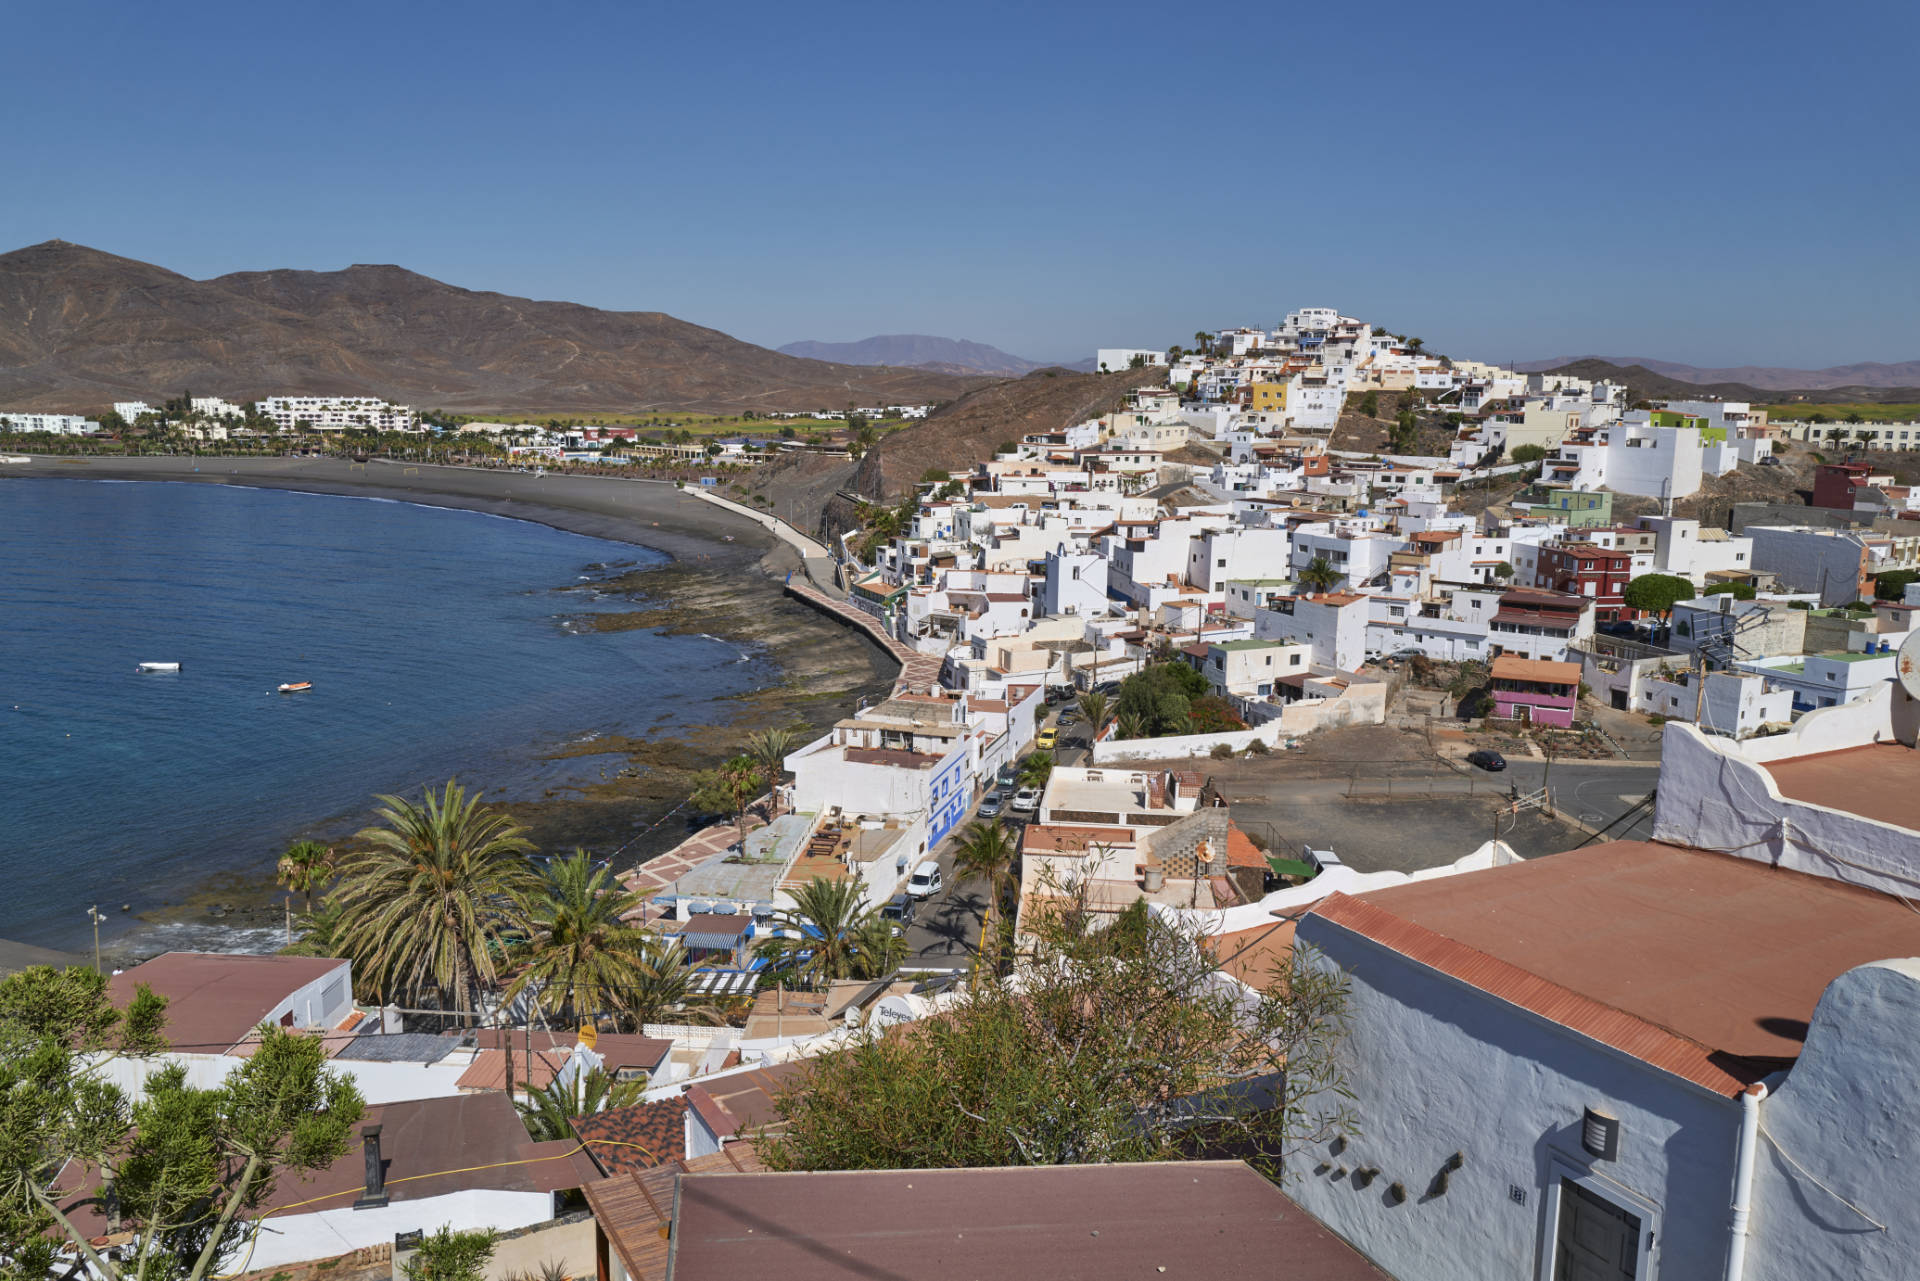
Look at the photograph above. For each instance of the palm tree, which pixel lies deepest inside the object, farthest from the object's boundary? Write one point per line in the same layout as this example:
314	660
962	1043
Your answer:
1319	575
305	866
729	788
548	1111
986	850
1129	725
664	986
819	937
1098	713
769	748
583	956
438	894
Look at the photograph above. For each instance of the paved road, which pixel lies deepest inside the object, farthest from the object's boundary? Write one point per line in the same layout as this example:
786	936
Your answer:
1594	792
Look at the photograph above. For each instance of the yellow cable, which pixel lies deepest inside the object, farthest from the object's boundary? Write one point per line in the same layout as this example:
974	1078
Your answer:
410	1178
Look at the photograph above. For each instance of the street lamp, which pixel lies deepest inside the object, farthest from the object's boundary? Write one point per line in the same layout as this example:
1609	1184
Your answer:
93	914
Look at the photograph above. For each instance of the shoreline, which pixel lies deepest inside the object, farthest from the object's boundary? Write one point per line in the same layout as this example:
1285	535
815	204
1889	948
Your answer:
730	589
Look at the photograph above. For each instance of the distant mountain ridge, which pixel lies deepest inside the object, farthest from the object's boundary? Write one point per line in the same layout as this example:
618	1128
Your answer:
918	351
80	328
1905	373
1645	384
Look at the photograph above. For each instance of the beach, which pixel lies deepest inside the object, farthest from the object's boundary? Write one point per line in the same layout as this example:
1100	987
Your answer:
618	796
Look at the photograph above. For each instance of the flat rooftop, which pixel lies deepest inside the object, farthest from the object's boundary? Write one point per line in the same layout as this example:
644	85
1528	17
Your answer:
1877	781
752	876
1065	1223
1706	965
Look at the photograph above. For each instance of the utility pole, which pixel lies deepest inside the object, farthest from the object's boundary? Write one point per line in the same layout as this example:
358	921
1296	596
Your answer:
93	914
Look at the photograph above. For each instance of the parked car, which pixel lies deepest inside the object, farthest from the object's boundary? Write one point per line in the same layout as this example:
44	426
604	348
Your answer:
1046	738
1487	760
898	913
1026	800
925	881
1068	718
1007	775
1621	629
991	803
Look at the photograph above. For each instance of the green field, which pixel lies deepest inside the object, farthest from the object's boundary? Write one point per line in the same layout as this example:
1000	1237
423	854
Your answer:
1800	412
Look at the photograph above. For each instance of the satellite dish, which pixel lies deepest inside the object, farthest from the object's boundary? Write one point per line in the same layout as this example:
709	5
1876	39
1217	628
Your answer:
1906	665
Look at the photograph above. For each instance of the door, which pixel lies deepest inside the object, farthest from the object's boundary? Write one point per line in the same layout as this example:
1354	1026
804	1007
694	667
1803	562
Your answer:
1596	1239
1619	700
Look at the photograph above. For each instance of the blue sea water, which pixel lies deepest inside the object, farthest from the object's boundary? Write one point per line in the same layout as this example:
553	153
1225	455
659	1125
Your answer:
436	641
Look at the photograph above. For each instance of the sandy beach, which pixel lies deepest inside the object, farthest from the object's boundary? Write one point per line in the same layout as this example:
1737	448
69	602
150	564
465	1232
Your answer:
725	580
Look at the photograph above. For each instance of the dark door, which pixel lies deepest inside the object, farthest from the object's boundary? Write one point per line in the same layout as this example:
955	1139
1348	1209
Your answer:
1619	700
1596	1239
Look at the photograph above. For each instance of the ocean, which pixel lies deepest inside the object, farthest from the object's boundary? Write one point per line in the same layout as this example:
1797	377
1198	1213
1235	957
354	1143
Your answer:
437	642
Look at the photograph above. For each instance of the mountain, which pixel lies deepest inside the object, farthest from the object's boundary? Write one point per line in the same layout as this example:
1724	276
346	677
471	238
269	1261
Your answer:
918	351
1764	377
1643	383
80	328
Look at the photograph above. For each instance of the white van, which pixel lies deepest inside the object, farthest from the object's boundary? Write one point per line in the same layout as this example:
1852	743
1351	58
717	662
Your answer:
925	881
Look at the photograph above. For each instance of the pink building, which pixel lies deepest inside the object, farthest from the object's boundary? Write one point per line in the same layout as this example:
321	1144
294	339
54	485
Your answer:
1531	689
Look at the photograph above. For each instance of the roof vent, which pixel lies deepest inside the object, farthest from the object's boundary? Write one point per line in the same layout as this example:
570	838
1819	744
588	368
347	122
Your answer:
1600	1135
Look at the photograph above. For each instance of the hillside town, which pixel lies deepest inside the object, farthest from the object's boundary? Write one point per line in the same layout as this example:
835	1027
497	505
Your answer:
1533	861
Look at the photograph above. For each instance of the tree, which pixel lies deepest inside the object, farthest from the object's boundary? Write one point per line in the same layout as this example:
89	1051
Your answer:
1892	585
769	749
1657	593
729	789
435	898
1111	1044
451	1256
1211	714
1094	706
1503	570
1739	591
821	936
1370	404
546	1112
1854	419
1527	453
1035	769
1160	698
187	1166
1319	575
986	850
305	865
583	957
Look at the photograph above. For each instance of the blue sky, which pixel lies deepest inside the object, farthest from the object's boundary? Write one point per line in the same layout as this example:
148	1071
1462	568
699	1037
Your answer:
1711	183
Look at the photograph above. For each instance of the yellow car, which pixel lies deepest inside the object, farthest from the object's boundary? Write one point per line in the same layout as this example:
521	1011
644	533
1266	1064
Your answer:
1048	737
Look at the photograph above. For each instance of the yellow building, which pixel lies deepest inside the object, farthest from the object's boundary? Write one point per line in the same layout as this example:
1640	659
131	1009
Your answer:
1268	398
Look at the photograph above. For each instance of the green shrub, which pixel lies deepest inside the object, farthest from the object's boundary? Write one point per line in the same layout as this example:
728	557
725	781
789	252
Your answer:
1221	752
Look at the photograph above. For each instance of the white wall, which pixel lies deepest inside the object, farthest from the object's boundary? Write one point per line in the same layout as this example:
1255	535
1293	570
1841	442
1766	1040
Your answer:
1438	1067
1834	1190
297	1238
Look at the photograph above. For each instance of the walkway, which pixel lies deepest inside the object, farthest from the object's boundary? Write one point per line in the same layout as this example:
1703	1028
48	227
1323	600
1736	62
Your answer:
917	671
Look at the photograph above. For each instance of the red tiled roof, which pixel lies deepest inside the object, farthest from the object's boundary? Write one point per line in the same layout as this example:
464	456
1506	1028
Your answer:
635	1138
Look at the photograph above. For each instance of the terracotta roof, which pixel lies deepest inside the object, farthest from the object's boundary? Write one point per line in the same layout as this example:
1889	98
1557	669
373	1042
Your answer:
1253	955
1511	667
743	1100
635	1208
1241	851
1705	965
489	1069
1875	781
1060	838
1064	1223
214	999
637	1137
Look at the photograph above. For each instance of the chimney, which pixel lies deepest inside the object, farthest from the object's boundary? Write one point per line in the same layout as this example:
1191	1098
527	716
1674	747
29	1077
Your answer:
375	1194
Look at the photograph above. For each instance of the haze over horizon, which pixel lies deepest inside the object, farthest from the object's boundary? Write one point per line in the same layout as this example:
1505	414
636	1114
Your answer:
1042	182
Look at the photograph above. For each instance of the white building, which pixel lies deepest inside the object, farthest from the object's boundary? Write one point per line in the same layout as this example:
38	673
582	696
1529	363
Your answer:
1115	359
1687	1058
53	424
336	413
1734	704
1824	680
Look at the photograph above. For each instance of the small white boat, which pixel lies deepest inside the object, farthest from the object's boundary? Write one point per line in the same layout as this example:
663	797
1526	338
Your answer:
159	667
296	687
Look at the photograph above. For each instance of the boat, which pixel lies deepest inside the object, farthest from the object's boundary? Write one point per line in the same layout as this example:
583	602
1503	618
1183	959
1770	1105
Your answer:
159	667
296	687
